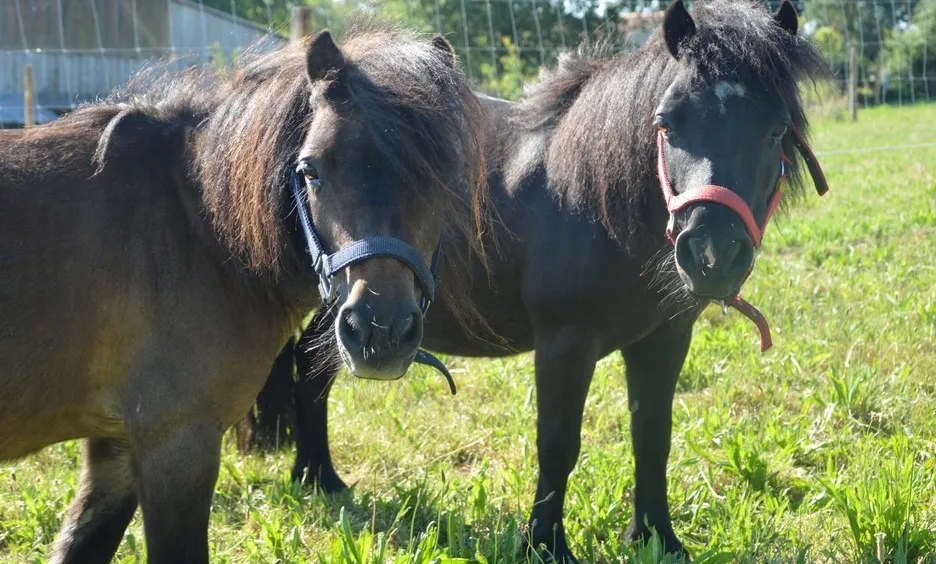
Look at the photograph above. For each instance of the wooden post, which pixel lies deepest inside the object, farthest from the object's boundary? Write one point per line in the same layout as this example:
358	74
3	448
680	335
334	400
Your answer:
853	82
302	21
29	119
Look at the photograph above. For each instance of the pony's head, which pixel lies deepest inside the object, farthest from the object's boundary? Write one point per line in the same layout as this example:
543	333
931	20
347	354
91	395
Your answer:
729	126
384	149
366	148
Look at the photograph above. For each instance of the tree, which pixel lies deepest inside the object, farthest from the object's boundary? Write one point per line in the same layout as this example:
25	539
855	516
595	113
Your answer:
501	43
277	13
909	55
881	30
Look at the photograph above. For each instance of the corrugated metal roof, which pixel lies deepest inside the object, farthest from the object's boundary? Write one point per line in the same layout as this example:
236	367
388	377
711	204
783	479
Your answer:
63	77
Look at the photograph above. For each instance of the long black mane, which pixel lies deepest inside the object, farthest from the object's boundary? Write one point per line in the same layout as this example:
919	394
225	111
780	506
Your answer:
599	109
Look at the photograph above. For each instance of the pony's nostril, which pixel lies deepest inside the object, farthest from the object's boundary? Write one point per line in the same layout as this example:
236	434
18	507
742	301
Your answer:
408	332
732	249
352	331
702	253
403	326
688	255
743	256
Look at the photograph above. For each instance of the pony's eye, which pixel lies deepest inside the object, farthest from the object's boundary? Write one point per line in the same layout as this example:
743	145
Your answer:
311	174
308	170
778	132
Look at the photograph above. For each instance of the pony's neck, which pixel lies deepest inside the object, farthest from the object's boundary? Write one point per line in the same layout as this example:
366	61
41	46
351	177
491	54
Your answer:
289	286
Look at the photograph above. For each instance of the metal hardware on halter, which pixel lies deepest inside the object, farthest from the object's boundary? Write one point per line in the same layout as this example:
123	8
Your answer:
328	265
725	197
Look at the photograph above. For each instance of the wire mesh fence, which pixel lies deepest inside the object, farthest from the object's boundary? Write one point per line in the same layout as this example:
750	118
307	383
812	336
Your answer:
79	50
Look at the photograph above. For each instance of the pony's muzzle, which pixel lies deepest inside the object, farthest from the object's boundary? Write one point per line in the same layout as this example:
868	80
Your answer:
713	267
378	341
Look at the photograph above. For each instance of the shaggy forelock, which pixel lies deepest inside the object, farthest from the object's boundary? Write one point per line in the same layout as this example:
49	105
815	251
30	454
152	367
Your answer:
739	41
417	106
422	117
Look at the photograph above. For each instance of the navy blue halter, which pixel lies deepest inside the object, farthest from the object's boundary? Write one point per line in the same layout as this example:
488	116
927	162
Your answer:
327	266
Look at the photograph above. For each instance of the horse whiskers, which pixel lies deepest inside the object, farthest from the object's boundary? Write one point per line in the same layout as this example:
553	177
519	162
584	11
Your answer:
664	279
323	348
686	308
680	300
662	270
323	342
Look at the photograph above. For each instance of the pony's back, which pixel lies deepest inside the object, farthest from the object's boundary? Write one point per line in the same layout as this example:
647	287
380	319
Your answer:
80	254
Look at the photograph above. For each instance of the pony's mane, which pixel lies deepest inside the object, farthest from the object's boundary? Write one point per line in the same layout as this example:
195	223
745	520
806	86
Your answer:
599	108
422	115
243	129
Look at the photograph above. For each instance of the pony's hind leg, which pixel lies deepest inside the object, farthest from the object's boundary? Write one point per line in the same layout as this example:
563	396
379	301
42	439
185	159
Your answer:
565	362
97	518
316	371
175	475
653	367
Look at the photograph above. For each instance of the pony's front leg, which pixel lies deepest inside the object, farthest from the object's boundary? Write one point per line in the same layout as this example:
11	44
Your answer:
653	366
313	455
105	504
176	471
565	363
316	368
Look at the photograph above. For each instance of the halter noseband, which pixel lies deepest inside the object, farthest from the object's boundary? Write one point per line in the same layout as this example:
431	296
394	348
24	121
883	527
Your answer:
327	266
721	195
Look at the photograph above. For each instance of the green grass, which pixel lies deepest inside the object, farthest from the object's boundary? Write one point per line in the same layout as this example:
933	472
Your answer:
821	450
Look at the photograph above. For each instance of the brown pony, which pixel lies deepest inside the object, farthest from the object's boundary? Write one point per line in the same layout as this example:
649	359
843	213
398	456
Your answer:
152	264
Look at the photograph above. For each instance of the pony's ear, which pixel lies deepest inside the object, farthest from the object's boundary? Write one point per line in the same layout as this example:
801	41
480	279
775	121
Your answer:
442	44
677	26
322	56
786	17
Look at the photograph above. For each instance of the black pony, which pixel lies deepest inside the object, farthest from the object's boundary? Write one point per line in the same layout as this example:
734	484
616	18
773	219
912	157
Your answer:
632	192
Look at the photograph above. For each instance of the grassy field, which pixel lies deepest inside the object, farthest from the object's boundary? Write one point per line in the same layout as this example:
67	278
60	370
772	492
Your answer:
821	450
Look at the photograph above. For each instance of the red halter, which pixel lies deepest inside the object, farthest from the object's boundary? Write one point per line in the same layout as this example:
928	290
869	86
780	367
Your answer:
725	197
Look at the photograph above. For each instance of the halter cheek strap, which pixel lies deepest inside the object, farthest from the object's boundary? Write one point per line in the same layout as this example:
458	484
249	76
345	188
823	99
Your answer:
718	194
327	266
724	196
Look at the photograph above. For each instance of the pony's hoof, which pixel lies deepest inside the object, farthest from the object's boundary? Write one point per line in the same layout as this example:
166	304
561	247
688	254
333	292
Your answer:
559	556
671	545
555	549
332	485
326	480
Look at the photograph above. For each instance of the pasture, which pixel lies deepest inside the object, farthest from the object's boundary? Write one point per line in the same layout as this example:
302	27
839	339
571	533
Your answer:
821	450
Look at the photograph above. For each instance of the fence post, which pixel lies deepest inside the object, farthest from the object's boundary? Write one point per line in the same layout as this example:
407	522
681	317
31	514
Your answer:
879	85
853	81
29	119
301	24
